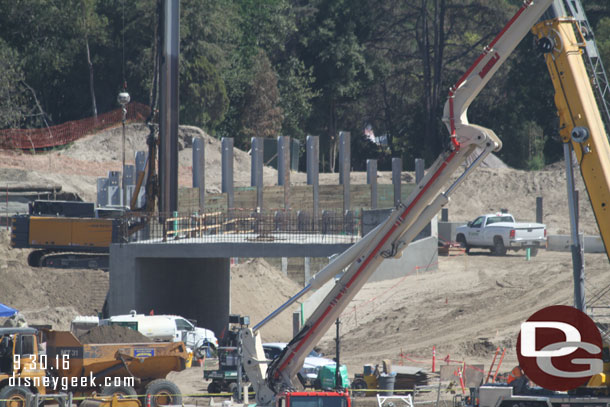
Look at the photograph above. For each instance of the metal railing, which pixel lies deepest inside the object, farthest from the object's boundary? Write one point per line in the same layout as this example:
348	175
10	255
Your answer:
243	225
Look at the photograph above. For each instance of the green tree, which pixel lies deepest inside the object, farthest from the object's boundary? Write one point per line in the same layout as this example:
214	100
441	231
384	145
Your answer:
92	28
334	47
261	115
13	102
203	97
295	85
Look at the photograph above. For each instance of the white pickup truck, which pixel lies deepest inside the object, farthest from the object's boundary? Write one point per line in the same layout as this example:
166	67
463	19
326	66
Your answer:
499	232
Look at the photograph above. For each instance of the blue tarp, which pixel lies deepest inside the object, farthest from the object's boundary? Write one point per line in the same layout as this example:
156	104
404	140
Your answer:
6	311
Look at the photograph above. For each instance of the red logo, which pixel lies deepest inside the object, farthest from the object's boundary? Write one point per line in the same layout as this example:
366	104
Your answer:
559	348
492	61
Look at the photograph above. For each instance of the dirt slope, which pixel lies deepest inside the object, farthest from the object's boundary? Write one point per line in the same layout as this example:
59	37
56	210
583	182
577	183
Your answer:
467	308
48	296
256	290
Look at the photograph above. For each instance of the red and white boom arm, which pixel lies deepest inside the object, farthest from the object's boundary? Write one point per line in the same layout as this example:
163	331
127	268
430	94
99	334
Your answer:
476	77
404	223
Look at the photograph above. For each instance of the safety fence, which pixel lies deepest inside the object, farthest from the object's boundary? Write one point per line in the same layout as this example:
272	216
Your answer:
243	225
62	134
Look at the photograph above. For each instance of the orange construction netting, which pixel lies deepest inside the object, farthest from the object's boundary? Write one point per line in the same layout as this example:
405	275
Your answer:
67	132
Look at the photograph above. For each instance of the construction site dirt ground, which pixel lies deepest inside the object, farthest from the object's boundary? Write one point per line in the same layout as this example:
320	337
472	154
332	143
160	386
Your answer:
466	309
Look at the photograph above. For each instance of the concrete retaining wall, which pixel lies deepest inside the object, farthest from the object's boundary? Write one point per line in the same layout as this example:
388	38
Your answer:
561	243
446	230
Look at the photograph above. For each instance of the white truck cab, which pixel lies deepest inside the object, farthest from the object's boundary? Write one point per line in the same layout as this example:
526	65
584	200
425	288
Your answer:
499	232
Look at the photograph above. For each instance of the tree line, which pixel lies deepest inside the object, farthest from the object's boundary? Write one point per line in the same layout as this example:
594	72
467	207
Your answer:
287	67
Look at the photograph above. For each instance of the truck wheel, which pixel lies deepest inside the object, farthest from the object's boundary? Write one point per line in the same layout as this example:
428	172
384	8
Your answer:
499	248
358	384
121	391
163	392
214	388
533	251
14	396
462	241
233	391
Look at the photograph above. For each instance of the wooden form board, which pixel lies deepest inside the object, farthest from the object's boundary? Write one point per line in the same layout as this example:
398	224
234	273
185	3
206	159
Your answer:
301	197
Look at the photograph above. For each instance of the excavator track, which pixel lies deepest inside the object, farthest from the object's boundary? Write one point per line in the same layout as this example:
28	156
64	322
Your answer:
64	260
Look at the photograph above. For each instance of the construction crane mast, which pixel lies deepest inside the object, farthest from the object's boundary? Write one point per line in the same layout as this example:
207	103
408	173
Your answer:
581	98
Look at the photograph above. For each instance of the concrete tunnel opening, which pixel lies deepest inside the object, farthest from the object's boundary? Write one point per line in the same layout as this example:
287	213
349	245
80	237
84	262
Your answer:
195	288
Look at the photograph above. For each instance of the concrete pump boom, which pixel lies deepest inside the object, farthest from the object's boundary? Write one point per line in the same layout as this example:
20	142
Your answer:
403	224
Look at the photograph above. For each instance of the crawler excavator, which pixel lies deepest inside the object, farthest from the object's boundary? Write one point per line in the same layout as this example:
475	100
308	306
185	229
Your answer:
67	234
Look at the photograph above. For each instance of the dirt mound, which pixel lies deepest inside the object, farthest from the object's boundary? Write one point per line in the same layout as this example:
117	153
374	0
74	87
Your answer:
48	296
257	289
467	308
490	189
112	334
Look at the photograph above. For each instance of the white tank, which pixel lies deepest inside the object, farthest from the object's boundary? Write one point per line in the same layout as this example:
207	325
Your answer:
164	328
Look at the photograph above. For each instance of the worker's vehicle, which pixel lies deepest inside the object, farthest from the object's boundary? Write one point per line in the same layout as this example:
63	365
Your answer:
499	233
367	382
168	328
224	379
309	373
227	378
275	382
33	362
327	378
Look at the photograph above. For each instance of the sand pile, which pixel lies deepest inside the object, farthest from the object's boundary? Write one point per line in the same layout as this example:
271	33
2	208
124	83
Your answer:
256	290
46	296
112	334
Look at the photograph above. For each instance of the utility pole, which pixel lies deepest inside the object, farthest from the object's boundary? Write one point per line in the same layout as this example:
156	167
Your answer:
123	100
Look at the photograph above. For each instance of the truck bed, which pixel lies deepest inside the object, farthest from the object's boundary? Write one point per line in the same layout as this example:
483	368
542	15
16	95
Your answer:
146	361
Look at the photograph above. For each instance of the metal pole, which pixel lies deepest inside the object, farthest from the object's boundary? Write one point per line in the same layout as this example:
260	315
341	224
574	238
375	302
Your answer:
371	179
169	107
239	366
578	264
338	347
199	169
313	149
396	172
344	166
227	169
123	186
